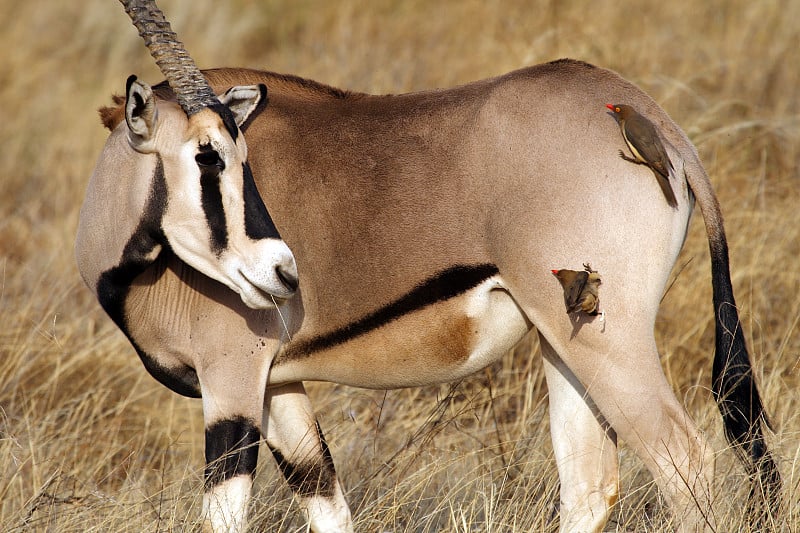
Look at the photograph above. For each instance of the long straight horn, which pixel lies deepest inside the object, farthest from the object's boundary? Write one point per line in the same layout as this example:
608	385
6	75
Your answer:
191	88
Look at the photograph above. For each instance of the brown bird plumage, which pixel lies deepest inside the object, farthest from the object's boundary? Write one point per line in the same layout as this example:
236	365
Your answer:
580	289
644	143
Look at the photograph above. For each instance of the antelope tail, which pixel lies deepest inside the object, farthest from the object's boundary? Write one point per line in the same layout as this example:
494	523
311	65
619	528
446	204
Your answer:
733	383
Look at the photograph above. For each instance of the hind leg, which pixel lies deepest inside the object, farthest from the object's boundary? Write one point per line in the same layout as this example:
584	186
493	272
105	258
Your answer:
585	448
621	371
297	443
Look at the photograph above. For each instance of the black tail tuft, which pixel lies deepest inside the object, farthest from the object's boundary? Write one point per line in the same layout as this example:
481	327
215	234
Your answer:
735	391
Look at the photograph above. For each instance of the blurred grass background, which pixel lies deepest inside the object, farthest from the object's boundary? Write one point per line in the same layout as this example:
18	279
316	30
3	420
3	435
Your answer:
89	442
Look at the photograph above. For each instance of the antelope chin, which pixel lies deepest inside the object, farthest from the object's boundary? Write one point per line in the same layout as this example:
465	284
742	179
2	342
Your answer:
267	275
256	296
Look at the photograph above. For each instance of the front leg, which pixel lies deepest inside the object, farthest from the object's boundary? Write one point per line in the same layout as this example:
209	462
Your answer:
233	399
295	438
231	459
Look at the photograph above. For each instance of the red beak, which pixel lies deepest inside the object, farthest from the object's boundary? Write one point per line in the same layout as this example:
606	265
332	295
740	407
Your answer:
554	271
610	106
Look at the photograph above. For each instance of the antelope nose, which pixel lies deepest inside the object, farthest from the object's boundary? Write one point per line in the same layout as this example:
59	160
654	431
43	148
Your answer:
289	279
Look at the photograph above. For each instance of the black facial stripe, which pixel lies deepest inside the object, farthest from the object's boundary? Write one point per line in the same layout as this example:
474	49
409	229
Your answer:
442	286
227	119
114	284
312	476
211	199
257	222
231	450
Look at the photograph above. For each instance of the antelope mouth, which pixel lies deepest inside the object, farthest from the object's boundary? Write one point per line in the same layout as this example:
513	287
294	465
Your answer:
265	275
288	279
257	295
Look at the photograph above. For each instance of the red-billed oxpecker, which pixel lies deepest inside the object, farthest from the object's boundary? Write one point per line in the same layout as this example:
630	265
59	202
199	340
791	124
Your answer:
645	144
580	289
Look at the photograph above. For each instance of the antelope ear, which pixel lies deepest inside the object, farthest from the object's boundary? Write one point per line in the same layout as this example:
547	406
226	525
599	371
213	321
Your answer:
140	114
245	102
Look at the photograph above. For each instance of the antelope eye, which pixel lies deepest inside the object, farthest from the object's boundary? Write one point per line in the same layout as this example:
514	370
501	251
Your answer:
208	157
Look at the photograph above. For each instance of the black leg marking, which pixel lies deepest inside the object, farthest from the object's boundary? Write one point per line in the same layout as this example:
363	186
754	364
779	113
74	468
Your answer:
231	450
310	476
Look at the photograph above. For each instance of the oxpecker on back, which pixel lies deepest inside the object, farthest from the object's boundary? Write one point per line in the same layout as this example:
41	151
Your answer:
643	141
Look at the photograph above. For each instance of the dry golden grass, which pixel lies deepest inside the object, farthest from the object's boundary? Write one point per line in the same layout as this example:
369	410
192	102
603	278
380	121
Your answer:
89	442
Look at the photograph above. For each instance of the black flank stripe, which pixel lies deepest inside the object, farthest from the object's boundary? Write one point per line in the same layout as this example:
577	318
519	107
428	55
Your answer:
227	119
443	286
231	450
257	222
211	199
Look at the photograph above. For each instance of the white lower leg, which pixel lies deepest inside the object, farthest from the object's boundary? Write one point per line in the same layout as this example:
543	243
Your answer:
328	514
225	505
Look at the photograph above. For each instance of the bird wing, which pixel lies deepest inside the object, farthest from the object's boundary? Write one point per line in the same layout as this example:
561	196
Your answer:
572	292
649	146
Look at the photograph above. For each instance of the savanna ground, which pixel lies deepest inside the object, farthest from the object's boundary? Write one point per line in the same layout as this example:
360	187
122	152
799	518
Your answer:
90	442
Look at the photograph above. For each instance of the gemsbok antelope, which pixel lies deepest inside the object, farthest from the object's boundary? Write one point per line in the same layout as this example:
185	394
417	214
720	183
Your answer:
424	228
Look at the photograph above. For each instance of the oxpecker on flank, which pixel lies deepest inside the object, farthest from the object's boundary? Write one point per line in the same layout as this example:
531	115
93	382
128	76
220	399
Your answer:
580	289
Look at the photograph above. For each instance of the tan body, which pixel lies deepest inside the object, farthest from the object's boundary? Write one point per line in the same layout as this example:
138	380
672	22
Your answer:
380	197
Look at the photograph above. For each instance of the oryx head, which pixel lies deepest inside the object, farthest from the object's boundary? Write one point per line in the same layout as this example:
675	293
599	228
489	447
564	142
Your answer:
213	217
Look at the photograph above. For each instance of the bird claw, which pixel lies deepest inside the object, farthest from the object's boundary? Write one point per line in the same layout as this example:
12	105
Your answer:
630	159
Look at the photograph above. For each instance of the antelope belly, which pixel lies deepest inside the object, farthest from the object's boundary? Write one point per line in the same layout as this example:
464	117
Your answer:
441	342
